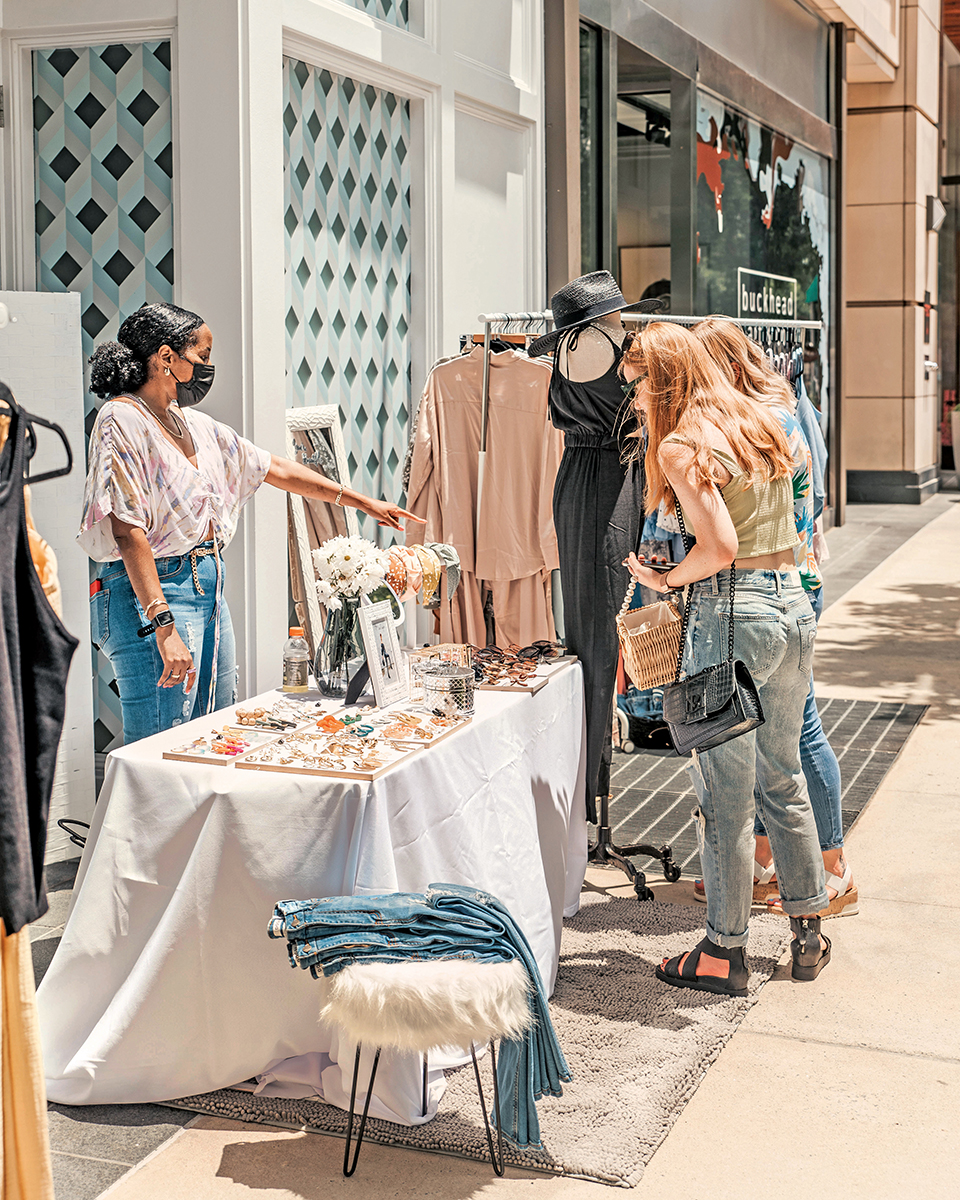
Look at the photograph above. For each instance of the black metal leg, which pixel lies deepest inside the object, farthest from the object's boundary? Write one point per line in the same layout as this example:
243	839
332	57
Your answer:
423	1111
605	851
348	1168
496	1159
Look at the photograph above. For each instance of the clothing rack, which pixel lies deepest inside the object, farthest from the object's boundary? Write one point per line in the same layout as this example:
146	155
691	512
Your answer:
510	323
748	322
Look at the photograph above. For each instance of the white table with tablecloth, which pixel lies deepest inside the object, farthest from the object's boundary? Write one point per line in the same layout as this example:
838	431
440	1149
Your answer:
165	983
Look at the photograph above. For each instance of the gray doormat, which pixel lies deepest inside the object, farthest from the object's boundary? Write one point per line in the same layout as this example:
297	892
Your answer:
636	1047
653	799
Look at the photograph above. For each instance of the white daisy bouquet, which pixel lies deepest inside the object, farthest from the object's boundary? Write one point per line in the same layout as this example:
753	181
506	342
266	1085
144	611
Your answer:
348	568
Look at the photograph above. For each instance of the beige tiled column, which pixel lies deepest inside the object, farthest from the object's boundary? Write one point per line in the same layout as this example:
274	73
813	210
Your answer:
891	261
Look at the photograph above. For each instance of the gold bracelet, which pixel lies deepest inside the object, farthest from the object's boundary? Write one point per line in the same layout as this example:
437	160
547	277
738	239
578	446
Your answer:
339	499
153	604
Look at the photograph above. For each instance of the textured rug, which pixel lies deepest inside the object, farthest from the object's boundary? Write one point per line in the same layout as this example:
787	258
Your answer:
637	1050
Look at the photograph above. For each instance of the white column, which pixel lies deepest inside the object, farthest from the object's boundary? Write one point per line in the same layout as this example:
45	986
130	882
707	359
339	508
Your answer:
229	268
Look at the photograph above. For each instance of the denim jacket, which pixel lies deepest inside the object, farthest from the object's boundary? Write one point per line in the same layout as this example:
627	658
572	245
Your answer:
446	921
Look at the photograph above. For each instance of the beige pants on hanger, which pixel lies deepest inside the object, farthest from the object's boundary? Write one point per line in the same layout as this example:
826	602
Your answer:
25	1143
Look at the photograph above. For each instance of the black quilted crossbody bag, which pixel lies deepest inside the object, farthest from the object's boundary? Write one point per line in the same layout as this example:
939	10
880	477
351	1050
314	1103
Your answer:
715	705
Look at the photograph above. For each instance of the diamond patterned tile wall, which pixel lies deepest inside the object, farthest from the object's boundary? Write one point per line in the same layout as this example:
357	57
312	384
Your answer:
394	12
104	212
348	264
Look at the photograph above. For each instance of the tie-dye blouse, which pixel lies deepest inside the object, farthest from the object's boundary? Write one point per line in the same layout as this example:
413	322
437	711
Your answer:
137	474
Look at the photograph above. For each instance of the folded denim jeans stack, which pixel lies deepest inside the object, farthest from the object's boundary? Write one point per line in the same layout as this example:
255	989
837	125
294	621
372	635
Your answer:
445	922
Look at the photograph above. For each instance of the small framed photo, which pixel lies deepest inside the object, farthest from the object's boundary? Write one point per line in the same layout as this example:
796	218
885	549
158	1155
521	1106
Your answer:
380	641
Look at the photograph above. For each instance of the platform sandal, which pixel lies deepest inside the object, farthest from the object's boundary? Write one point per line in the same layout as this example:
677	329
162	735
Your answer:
764	884
846	903
809	957
685	976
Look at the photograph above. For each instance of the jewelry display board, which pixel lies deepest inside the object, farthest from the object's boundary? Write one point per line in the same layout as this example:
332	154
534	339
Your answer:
544	673
341	754
202	749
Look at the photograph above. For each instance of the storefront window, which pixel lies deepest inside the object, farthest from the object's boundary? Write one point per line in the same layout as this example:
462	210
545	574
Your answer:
591	161
763	229
643	175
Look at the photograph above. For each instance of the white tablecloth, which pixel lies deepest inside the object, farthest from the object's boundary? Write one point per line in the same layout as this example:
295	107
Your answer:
165	983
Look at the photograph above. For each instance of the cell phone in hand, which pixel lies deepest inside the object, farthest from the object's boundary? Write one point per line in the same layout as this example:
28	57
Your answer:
662	567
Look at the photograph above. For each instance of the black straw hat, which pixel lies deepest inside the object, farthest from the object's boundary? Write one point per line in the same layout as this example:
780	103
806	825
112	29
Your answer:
582	301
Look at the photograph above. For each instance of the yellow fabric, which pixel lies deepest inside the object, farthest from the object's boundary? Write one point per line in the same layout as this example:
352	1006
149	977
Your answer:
45	561
25	1144
762	513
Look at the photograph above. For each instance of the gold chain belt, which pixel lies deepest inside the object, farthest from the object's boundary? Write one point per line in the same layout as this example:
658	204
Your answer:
200	552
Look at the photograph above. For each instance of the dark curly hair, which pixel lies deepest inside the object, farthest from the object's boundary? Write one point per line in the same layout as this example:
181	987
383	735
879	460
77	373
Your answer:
121	366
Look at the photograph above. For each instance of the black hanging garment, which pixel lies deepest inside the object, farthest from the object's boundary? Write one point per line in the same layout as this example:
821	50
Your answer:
598	514
35	654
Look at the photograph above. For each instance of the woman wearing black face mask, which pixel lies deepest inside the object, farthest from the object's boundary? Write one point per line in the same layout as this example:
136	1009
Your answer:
164	489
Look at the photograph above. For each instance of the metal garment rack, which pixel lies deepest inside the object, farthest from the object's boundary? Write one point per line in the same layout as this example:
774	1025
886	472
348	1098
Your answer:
745	322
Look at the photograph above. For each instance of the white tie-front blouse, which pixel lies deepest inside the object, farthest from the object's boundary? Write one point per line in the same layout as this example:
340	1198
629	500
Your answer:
137	474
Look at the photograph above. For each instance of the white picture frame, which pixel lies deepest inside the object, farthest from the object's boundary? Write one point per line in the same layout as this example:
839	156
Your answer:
388	673
314	438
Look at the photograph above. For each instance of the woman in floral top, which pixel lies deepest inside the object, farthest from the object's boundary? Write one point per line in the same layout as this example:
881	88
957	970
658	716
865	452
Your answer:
747	367
165	485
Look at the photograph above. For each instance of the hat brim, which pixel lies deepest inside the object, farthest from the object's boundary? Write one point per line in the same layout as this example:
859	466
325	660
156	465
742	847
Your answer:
548	341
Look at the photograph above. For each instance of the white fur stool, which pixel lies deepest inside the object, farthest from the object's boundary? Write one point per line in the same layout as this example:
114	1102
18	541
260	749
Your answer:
417	1006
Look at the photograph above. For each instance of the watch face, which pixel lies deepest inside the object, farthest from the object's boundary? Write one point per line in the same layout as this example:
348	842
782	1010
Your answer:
163	618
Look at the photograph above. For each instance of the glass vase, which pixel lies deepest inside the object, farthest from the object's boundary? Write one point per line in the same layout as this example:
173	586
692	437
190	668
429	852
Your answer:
340	652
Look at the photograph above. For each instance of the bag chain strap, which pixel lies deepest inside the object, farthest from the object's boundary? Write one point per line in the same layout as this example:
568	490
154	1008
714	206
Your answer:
686	607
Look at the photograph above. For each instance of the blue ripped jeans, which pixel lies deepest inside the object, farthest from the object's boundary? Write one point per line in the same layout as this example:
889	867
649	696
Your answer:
115	617
774	633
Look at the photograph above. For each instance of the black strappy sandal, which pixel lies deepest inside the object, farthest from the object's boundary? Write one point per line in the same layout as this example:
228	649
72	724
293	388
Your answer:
809	957
686	977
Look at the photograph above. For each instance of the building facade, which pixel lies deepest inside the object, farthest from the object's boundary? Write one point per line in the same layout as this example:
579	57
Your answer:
338	186
341	186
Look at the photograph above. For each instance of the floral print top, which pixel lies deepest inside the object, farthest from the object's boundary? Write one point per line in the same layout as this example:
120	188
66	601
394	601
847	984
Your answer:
137	474
810	575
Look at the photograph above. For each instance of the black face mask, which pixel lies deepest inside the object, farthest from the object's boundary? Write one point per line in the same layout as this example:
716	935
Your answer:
197	386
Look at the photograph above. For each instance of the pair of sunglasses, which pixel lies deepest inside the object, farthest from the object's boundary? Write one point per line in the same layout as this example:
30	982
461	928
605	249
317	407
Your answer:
541	651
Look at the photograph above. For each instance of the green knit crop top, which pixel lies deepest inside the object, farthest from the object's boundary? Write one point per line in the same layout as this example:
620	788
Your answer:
762	512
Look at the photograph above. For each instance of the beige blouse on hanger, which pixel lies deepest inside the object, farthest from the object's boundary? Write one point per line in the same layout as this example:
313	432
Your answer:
515	548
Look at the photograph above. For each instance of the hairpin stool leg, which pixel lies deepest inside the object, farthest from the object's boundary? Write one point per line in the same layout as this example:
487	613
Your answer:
496	1159
348	1167
423	1111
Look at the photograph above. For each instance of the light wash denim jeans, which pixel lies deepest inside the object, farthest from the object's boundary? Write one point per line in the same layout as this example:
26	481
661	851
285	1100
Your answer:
115	617
820	767
774	633
447	921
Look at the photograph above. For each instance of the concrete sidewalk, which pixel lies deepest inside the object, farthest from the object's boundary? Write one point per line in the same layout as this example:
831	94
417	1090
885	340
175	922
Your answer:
848	1087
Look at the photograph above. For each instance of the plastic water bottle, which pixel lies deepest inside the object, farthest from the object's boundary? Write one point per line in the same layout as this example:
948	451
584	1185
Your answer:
296	661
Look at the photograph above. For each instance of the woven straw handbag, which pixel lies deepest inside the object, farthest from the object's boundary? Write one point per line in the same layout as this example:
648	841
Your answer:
649	640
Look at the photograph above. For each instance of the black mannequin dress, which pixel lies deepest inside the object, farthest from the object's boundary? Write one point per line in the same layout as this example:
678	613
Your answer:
598	513
35	653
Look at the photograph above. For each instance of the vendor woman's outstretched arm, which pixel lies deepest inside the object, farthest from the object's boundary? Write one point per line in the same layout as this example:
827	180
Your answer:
290	476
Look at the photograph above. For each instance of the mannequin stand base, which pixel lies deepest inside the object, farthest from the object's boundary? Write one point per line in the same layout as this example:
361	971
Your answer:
604	852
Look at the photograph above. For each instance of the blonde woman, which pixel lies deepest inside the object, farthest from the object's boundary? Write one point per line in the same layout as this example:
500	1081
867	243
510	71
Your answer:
745	366
725	458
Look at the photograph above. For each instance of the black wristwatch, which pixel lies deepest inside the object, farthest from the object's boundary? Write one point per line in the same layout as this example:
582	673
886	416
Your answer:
158	622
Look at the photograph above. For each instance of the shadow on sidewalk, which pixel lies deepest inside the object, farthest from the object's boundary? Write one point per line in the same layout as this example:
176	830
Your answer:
904	645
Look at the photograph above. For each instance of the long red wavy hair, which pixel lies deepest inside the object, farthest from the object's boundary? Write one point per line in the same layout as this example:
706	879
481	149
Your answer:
687	392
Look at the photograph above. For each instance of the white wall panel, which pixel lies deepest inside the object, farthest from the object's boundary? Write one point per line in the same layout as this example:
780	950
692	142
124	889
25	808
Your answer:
486	266
41	363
